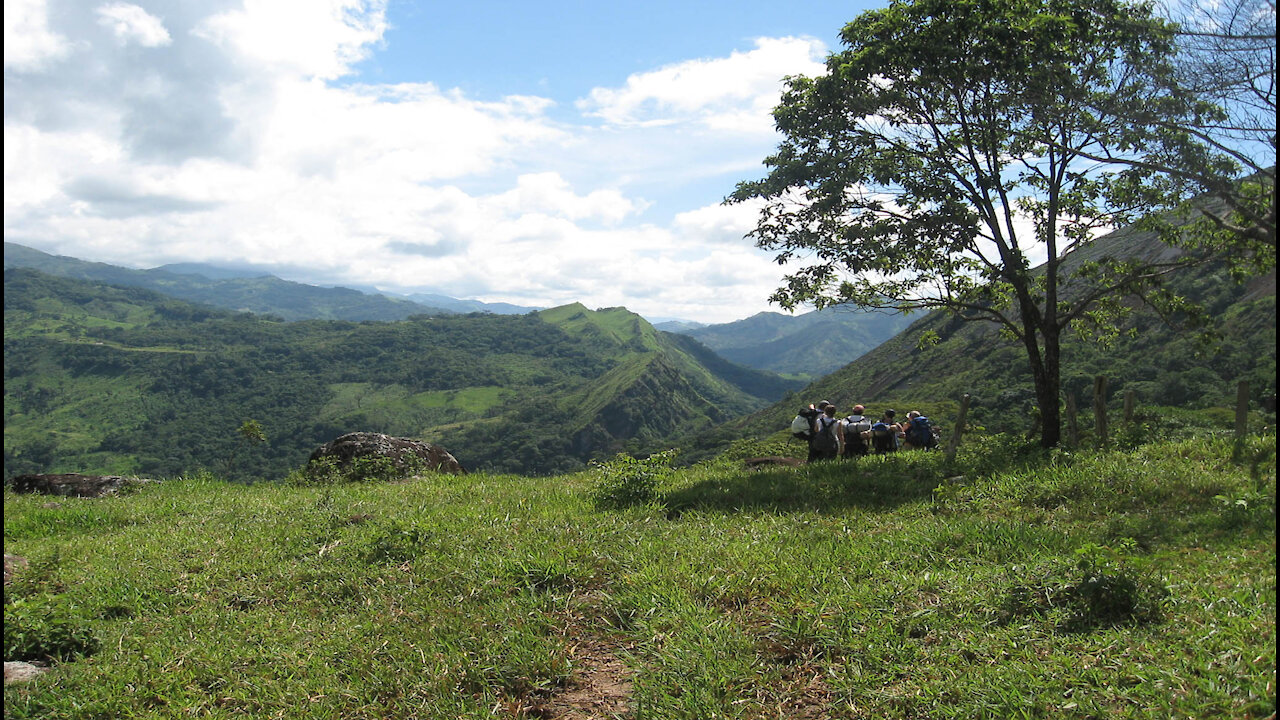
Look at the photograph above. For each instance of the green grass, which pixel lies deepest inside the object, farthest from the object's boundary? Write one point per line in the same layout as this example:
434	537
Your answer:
1005	584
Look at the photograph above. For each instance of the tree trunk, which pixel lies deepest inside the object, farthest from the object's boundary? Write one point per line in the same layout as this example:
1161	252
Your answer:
1045	372
1049	395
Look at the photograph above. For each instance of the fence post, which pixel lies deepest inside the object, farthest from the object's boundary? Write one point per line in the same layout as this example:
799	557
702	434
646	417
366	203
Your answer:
1100	408
1073	423
1130	398
955	434
1242	410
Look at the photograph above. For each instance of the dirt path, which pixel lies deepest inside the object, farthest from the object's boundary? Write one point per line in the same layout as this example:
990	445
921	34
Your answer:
600	688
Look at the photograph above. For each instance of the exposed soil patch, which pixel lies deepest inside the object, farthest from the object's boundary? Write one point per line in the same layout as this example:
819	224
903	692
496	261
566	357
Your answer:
600	687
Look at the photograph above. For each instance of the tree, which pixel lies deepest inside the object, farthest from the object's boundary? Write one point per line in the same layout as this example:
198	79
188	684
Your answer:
252	433
949	148
1227	55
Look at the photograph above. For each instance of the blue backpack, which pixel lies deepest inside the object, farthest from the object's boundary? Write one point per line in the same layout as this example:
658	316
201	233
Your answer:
920	433
884	439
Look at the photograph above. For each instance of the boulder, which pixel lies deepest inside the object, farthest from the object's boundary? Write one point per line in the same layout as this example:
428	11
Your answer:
73	484
409	456
18	672
11	565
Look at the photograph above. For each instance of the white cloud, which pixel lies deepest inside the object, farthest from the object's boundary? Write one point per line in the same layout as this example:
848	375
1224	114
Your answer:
227	142
719	224
29	44
309	38
549	193
131	23
734	94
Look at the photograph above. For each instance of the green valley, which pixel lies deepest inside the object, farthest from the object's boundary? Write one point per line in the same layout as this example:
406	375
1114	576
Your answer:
115	379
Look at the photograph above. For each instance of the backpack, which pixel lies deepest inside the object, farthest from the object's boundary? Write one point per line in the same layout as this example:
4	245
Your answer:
921	433
854	443
826	439
884	439
800	427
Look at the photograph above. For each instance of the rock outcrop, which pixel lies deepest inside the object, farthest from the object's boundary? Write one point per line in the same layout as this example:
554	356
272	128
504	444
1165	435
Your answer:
773	461
74	484
20	672
408	456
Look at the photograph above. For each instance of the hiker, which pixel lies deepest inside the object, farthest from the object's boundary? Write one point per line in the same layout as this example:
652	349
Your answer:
826	440
855	431
884	434
917	432
805	424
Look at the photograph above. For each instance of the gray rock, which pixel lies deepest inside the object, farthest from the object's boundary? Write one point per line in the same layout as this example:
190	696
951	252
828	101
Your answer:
11	565
406	454
18	672
74	484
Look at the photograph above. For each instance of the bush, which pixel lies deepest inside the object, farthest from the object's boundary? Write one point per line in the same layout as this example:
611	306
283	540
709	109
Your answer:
626	481
1102	590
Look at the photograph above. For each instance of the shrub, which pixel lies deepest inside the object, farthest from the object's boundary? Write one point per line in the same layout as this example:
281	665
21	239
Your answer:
626	481
1103	589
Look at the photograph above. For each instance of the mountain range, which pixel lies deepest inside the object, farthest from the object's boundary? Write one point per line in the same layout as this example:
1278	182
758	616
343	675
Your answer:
105	378
803	346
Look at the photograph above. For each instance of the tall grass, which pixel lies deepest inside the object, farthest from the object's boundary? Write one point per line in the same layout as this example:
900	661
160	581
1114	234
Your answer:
1002	584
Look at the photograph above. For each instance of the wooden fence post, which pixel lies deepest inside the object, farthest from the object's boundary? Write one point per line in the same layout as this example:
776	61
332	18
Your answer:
1073	422
955	434
1242	410
1100	409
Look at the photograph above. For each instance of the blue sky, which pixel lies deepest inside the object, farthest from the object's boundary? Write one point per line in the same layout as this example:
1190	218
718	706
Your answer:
535	153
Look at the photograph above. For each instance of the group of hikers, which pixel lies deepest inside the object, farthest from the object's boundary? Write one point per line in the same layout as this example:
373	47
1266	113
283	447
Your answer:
830	437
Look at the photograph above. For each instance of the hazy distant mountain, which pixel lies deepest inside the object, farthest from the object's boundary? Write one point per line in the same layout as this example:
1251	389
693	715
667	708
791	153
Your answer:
239	289
809	345
678	326
215	272
468	306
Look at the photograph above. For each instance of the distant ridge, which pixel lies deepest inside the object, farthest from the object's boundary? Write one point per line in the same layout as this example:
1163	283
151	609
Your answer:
810	345
240	290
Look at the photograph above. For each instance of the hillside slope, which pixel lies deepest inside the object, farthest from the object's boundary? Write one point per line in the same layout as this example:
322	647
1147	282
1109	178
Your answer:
1165	364
124	380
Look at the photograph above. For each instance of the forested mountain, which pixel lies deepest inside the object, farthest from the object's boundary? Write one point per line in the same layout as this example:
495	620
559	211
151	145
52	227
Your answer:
1165	361
230	290
809	345
124	380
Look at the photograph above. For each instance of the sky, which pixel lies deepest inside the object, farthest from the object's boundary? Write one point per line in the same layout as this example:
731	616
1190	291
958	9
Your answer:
537	153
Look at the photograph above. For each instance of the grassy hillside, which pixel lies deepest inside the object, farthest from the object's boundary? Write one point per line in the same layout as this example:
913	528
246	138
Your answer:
1166	362
122	380
1004	585
263	294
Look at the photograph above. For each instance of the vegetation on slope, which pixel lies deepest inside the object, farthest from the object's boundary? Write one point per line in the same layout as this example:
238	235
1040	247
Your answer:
122	380
1167	363
1012	583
